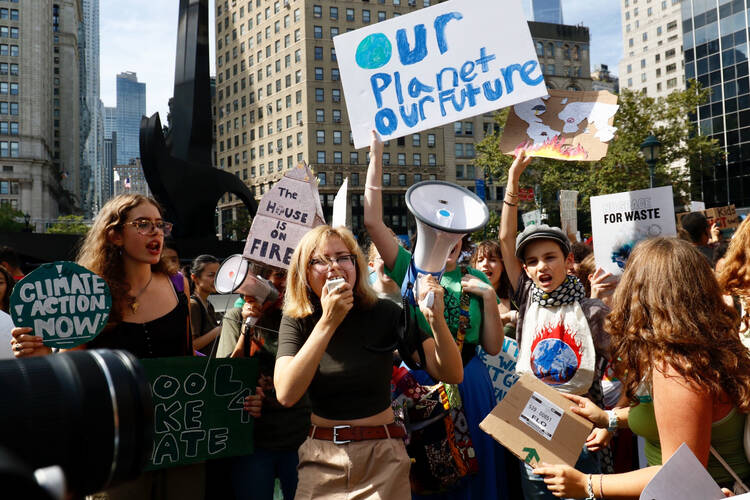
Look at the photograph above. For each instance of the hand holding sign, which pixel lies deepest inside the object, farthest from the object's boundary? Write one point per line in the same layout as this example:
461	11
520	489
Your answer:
64	303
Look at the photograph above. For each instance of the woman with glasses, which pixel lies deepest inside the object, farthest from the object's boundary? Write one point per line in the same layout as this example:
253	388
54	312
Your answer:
149	317
335	342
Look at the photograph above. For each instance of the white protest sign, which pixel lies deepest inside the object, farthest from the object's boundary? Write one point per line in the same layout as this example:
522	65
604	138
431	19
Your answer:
339	205
569	211
532	217
502	367
697	206
285	213
620	220
437	65
683	477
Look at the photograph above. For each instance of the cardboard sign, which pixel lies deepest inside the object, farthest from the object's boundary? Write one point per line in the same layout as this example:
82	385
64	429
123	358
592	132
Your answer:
566	125
435	66
533	217
725	217
534	422
569	211
620	220
198	408
285	214
683	477
502	367
63	302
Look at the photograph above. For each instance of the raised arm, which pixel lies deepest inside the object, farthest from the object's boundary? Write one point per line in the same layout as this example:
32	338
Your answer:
508	220
379	234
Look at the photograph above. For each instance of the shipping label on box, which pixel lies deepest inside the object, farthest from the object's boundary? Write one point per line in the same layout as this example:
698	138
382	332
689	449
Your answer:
535	423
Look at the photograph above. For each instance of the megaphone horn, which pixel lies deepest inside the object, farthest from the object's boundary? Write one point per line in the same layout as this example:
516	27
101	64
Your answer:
234	276
444	212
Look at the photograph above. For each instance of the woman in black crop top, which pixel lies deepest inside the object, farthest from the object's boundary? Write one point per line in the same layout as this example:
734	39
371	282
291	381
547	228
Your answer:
335	343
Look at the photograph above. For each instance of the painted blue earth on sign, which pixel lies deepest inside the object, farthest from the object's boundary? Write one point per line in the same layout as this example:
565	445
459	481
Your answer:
553	361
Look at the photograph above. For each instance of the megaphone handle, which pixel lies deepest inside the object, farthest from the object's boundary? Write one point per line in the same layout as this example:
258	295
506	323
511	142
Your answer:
429	299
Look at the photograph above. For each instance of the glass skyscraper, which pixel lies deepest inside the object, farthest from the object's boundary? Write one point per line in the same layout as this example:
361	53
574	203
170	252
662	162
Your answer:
131	106
547	11
715	41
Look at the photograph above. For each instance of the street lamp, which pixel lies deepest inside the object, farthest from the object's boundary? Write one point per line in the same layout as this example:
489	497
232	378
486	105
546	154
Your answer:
651	148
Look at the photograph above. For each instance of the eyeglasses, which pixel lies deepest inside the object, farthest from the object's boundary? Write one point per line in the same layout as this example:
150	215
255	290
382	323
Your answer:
147	226
322	264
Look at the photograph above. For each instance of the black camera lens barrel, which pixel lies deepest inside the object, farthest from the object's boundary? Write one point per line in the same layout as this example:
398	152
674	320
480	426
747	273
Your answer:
90	412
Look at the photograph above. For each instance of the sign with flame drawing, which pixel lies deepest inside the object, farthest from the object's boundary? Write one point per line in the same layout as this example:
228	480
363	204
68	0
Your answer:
566	125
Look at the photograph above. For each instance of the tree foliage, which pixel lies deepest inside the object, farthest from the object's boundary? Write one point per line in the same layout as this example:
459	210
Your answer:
9	218
623	169
69	224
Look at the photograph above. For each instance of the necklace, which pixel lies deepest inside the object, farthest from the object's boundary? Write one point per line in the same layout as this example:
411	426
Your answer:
134	303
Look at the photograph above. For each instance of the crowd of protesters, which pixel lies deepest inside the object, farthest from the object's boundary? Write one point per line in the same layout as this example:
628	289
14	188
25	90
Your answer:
670	333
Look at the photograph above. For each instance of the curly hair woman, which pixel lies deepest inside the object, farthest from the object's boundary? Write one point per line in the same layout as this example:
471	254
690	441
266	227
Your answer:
734	275
684	371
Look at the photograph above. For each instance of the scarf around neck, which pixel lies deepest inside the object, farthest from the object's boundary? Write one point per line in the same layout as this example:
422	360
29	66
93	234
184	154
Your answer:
571	290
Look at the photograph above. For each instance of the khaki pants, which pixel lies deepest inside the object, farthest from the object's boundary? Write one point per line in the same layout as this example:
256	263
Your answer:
375	469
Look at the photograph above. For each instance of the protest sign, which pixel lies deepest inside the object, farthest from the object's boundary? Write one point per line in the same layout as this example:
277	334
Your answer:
620	220
340	206
198	408
725	217
683	477
566	125
697	206
437	65
533	217
502	367
569	211
285	214
534	422
63	302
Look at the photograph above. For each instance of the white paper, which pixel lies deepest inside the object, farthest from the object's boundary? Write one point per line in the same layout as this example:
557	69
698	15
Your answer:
569	211
619	221
434	66
532	217
542	415
697	206
683	477
339	206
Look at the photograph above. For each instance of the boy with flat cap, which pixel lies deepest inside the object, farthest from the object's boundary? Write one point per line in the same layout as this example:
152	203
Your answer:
559	332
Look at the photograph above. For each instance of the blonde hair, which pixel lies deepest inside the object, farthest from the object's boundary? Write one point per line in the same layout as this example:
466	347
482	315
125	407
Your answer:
734	277
99	255
668	311
297	300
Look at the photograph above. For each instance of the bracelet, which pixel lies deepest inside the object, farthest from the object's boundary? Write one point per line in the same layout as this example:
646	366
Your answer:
512	195
613	420
601	490
374	188
510	204
590	490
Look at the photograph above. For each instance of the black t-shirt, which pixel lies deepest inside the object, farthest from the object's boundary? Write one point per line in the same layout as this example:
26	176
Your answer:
353	379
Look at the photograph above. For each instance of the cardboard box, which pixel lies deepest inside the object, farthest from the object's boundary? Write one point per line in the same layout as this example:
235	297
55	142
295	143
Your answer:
535	423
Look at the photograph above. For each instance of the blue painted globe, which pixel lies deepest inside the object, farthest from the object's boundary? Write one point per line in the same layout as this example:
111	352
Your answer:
374	51
554	361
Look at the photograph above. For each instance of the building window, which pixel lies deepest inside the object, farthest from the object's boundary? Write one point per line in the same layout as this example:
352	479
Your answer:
334	74
317	11
402	159
321	175
320	137
386	179
336	95
416	140
337	160
337	137
432	159
321	156
402	179
350	14
417	159
320	115
318	53
431	140
365	16
334	12
318	73
354	158
317	33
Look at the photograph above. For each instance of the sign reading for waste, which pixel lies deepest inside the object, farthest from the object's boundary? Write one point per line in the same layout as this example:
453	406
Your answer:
199	408
63	302
437	65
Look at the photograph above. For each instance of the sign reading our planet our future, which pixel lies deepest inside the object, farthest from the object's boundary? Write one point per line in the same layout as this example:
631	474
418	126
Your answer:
63	302
437	65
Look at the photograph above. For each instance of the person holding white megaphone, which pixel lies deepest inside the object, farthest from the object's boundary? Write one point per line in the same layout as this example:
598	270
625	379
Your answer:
445	215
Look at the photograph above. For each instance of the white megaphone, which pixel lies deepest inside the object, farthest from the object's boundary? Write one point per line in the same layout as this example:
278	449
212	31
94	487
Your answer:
444	212
234	276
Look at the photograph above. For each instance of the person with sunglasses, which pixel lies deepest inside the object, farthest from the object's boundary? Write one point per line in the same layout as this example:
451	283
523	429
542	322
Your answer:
336	341
149	317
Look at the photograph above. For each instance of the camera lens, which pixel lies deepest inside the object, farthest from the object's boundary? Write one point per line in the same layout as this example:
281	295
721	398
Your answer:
90	412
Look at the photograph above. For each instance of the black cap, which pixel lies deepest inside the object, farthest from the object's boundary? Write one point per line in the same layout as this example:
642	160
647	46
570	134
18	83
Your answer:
541	232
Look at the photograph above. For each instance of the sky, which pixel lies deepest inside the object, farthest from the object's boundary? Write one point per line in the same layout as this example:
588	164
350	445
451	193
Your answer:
141	36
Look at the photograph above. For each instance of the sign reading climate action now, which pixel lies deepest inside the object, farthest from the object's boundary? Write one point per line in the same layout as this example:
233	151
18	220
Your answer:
199	408
63	302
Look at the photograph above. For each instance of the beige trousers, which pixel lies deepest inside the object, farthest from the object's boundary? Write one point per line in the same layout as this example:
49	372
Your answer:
375	469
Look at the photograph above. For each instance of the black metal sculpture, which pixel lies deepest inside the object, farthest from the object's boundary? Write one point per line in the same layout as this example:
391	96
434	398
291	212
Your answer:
178	169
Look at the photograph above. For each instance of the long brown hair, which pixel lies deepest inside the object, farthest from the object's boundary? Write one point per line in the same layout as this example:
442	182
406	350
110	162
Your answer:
734	277
9	284
491	248
297	302
668	312
99	255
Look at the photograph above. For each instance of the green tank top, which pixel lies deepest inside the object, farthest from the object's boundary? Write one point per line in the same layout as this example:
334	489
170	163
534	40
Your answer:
726	438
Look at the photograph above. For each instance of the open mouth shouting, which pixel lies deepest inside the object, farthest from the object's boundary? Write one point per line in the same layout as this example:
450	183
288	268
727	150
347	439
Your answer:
545	280
154	247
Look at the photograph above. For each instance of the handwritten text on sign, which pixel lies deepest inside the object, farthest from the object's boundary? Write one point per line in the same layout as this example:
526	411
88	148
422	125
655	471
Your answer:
198	409
63	302
502	367
437	65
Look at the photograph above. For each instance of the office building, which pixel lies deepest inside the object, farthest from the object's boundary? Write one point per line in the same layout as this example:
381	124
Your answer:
91	106
39	107
602	79
715	41
547	11
652	55
129	179
563	53
131	106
